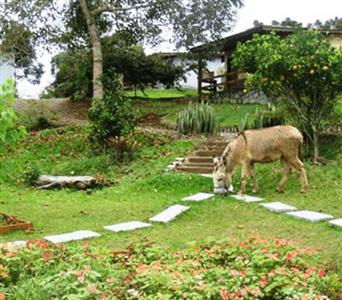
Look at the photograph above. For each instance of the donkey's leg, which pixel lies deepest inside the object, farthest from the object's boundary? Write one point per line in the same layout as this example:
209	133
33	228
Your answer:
253	174
245	173
287	169
299	166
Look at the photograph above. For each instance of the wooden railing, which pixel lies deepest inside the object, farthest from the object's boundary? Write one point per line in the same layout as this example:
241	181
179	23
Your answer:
228	80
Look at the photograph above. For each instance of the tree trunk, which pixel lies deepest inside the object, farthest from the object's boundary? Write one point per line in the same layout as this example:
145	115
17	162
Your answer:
97	51
316	145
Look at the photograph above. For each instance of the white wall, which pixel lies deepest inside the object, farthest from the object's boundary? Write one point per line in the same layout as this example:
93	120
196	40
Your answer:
7	69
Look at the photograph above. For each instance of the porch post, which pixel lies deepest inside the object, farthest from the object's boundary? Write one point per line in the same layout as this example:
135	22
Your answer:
200	77
226	79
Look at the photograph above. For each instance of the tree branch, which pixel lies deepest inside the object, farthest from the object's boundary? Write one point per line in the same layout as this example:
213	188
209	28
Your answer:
106	8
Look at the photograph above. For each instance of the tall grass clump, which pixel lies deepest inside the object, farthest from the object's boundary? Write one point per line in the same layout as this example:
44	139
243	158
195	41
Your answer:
197	118
271	116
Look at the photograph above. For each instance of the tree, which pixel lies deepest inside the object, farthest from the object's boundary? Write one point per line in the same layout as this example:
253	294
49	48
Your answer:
17	40
190	22
73	68
303	71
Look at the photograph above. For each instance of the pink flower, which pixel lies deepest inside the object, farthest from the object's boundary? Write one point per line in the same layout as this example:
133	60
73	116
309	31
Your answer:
322	273
80	279
255	292
92	288
109	280
224	294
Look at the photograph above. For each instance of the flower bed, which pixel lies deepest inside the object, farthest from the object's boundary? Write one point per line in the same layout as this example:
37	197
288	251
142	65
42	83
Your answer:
9	223
255	269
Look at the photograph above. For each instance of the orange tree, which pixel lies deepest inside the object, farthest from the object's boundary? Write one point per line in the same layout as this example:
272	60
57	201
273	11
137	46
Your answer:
303	71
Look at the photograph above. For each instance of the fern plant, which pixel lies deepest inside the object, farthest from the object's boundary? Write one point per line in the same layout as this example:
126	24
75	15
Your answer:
197	118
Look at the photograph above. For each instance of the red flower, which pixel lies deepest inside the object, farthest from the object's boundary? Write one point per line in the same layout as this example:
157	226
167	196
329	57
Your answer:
291	255
47	256
322	273
263	281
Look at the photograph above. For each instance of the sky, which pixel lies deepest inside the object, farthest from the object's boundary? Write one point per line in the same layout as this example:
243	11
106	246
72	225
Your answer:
304	11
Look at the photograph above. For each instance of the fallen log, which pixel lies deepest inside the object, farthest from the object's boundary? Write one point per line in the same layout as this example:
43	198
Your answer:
80	182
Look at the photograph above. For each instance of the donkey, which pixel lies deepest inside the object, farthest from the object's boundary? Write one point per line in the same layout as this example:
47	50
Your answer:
265	145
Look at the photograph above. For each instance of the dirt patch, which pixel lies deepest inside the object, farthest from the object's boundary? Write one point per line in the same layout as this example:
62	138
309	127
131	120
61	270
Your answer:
150	120
58	111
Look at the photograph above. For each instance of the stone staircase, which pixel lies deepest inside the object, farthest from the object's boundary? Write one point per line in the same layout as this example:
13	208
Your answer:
201	160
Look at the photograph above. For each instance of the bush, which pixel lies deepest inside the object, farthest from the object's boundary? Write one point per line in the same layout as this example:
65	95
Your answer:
31	175
197	118
111	117
254	269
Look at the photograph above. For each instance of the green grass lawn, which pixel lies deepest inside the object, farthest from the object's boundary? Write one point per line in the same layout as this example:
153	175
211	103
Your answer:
226	113
141	189
154	93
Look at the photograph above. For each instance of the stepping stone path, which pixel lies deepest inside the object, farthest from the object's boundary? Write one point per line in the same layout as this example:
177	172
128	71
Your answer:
247	198
72	236
128	226
311	216
336	222
169	214
278	207
12	246
199	197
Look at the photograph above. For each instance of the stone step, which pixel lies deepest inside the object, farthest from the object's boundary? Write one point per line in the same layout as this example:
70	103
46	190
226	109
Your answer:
198	164
208	153
199	159
200	170
217	143
213	148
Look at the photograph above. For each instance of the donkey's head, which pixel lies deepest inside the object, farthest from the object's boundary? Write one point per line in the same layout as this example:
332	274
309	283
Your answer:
220	175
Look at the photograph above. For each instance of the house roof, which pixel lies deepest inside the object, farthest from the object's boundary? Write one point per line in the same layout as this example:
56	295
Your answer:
230	42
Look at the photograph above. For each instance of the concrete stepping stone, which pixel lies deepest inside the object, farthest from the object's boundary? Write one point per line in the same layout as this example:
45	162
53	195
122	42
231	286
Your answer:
336	222
278	207
12	246
169	214
198	197
72	236
247	198
309	215
127	226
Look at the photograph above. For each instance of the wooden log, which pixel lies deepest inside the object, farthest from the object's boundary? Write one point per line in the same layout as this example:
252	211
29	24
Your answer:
80	182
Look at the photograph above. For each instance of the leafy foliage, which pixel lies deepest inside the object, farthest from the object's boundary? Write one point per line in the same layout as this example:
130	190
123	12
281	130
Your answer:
304	71
10	132
254	269
111	117
73	68
197	118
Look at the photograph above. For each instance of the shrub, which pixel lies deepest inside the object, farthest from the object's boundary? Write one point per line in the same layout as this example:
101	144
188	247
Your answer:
254	269
111	117
197	118
31	175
